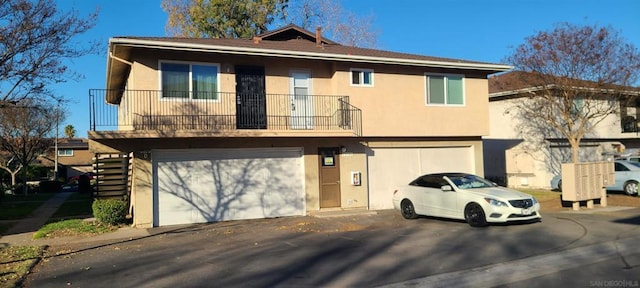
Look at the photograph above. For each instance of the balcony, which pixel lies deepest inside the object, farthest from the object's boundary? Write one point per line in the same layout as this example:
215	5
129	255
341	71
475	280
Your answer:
152	110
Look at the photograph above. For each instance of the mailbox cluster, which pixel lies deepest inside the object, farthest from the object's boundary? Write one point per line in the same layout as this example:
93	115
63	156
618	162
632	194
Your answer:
586	181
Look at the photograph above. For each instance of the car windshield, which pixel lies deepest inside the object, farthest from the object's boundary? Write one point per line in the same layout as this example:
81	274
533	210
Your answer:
470	181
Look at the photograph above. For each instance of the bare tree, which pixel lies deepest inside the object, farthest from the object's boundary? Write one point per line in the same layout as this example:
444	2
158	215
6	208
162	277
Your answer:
35	39
575	77
342	26
247	18
25	129
221	18
9	164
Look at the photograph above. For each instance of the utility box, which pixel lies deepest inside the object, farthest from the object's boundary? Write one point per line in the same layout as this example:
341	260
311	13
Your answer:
587	181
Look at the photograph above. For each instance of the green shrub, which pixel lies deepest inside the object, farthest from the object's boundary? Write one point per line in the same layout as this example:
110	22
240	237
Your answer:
110	211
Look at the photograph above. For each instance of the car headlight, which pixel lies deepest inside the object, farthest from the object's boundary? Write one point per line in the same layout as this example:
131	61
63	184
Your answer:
535	201
495	202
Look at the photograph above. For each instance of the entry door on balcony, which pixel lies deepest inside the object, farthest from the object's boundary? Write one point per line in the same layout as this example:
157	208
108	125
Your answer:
251	103
301	101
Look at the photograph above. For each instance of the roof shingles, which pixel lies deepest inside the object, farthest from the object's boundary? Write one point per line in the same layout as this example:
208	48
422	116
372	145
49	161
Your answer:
300	45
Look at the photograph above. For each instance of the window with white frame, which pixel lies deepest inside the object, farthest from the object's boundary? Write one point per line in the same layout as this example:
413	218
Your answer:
361	77
188	80
445	90
577	106
65	152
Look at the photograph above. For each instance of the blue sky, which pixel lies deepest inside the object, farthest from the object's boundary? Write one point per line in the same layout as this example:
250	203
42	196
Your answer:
479	30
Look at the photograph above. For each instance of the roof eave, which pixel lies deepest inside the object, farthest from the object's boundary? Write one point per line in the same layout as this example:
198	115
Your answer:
551	86
489	68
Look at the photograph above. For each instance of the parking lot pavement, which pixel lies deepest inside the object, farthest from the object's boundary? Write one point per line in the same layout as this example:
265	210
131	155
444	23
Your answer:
364	250
566	267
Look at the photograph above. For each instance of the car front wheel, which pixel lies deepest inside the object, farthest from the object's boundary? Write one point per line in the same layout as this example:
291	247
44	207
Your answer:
631	188
474	215
408	212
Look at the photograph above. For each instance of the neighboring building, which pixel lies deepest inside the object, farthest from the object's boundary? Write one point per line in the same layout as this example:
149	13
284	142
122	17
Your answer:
74	157
282	124
512	160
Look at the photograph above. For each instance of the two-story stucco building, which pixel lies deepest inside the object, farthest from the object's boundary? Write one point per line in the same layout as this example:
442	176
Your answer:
282	124
74	157
512	159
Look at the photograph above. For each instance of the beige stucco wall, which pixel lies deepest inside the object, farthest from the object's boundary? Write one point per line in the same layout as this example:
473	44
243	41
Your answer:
351	196
142	192
397	98
396	104
504	122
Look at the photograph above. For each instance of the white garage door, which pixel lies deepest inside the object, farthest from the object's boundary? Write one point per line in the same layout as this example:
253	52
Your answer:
391	167
206	185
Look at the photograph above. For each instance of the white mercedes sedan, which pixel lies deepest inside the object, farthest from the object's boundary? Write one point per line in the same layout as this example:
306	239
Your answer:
466	197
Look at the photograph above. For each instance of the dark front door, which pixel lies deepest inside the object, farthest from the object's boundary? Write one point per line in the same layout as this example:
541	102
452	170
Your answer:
251	102
329	178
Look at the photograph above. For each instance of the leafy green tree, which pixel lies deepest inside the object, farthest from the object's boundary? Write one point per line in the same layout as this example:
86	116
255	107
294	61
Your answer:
221	18
247	18
70	131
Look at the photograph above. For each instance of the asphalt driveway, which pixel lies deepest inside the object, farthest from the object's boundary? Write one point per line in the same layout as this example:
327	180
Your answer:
354	251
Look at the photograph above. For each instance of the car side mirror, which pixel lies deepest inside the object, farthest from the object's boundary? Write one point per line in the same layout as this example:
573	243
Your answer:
446	188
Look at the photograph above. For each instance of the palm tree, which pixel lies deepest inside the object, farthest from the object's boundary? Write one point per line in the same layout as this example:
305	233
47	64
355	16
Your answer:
69	131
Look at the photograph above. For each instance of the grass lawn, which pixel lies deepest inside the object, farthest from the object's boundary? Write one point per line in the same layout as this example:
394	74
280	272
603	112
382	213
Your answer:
77	205
72	227
68	220
542	194
15	263
20	206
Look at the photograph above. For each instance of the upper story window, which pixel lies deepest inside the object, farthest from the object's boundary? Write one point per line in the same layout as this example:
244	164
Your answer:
189	81
445	90
65	152
629	114
361	77
576	107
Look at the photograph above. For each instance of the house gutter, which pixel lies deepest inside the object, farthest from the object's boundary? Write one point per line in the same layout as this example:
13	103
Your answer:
552	86
303	55
119	59
112	50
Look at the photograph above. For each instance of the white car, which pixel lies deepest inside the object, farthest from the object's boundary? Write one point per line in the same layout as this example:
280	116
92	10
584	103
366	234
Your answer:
465	197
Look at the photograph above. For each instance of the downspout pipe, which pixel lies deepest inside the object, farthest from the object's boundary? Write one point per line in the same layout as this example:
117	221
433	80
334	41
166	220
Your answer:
118	58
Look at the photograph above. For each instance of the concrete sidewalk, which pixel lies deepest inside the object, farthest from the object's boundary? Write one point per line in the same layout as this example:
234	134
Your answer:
22	232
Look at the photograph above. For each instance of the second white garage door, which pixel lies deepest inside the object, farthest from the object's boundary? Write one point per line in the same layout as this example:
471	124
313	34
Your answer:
390	167
207	185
